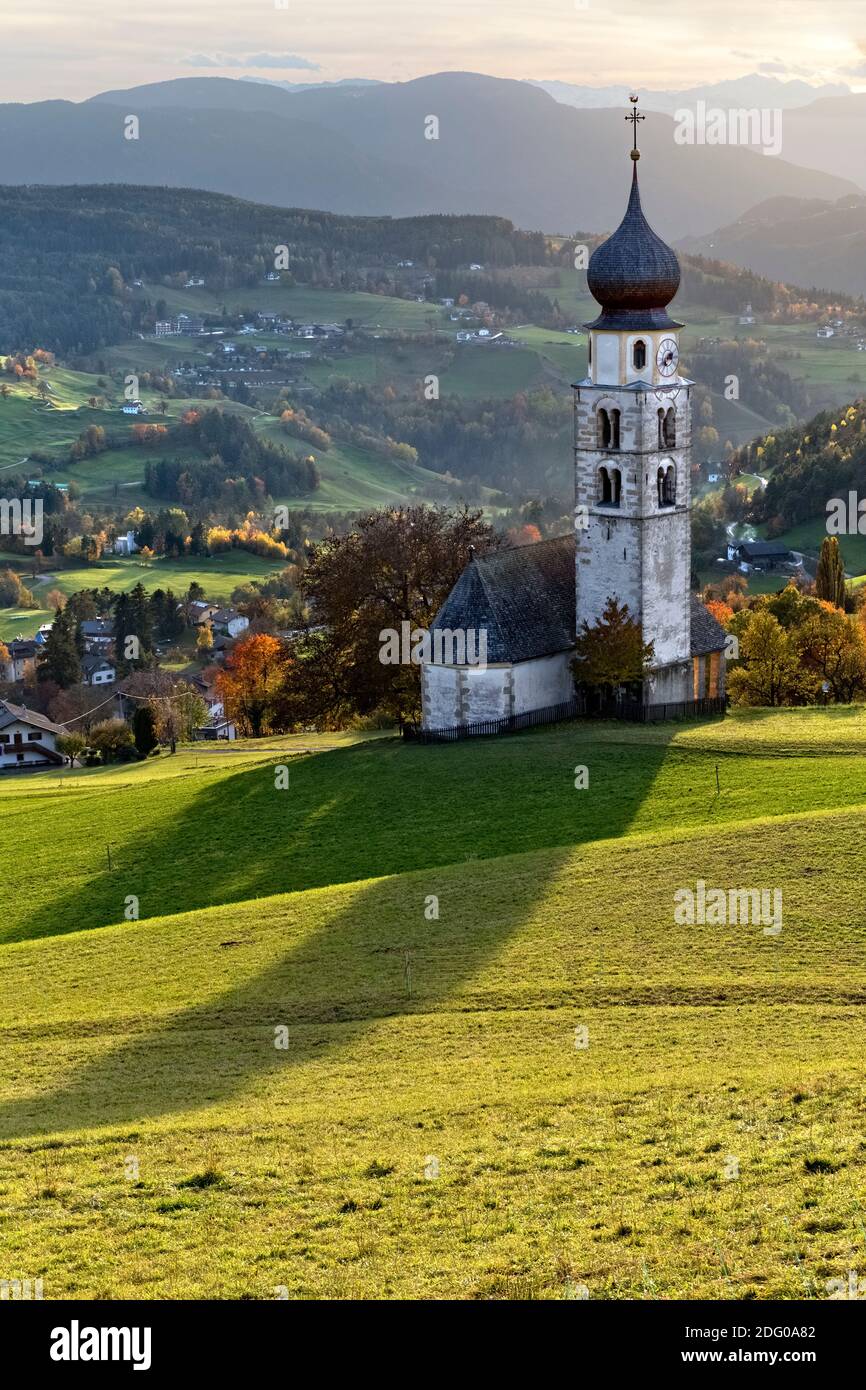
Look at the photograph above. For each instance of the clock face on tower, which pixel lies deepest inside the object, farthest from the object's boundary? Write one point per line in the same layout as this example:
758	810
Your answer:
667	356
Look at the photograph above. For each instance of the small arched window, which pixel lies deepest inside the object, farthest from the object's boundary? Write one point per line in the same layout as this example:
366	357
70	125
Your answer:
607	429
605	493
638	355
667	486
667	428
615	485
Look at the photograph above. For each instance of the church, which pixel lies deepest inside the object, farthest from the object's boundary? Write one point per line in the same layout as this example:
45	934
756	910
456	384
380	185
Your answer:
631	538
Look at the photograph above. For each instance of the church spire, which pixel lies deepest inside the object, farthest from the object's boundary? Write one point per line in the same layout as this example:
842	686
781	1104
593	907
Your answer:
634	275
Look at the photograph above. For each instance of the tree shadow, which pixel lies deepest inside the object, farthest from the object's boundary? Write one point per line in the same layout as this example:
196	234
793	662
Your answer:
373	953
359	812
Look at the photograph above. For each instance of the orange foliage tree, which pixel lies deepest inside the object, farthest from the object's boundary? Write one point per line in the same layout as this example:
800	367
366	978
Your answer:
251	683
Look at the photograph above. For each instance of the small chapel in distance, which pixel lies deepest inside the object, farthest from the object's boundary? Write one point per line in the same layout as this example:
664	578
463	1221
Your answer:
631	539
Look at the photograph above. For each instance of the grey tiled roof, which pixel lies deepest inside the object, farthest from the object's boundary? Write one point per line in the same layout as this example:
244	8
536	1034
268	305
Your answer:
707	634
523	597
525	600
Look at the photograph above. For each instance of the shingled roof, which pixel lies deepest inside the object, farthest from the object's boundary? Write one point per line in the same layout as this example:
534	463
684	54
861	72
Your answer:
707	635
523	597
12	714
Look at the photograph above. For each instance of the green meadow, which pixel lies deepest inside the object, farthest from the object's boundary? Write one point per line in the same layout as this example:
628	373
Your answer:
423	1024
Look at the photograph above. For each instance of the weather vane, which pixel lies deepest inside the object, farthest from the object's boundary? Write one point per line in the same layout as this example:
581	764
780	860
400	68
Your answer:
634	116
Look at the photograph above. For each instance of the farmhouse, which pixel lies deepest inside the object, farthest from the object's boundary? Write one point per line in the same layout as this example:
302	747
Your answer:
761	555
27	739
632	539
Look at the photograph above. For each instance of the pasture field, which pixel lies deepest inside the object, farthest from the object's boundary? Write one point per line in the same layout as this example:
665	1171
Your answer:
291	1074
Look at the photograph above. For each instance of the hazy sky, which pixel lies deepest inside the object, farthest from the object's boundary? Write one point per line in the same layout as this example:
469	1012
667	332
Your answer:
74	48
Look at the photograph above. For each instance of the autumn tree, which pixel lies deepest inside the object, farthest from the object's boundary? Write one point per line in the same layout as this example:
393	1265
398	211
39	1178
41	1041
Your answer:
249	687
71	745
833	645
396	565
611	653
830	574
769	670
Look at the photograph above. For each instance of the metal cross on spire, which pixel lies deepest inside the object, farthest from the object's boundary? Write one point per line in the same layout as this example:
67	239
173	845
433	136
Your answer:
634	116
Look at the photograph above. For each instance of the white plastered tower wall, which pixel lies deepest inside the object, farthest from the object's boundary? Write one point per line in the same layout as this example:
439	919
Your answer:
639	549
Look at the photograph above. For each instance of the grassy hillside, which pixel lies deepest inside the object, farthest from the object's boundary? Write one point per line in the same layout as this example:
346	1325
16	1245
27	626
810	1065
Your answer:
642	781
156	1143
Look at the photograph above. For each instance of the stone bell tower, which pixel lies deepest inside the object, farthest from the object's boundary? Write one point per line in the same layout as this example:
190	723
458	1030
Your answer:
632	449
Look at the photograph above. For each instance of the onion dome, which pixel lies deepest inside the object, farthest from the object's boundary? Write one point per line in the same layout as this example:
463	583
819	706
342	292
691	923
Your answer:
634	275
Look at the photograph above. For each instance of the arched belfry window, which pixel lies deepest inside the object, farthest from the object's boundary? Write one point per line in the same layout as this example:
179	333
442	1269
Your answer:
609	487
614	429
607	428
667	486
667	428
638	355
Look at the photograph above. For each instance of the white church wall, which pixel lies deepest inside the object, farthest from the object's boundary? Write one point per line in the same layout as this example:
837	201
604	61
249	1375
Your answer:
545	681
440	697
458	695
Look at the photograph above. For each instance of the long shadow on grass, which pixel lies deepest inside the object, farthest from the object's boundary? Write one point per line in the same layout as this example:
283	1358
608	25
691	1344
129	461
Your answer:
350	970
356	813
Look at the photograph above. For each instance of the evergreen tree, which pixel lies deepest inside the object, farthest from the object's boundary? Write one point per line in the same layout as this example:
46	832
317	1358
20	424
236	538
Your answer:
60	661
830	575
144	730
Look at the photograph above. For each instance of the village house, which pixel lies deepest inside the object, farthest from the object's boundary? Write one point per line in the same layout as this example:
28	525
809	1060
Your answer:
125	545
27	739
200	612
97	670
98	635
21	665
229	622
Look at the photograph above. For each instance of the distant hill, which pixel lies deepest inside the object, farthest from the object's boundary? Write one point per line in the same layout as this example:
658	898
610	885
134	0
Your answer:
756	89
61	249
503	146
807	241
808	464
